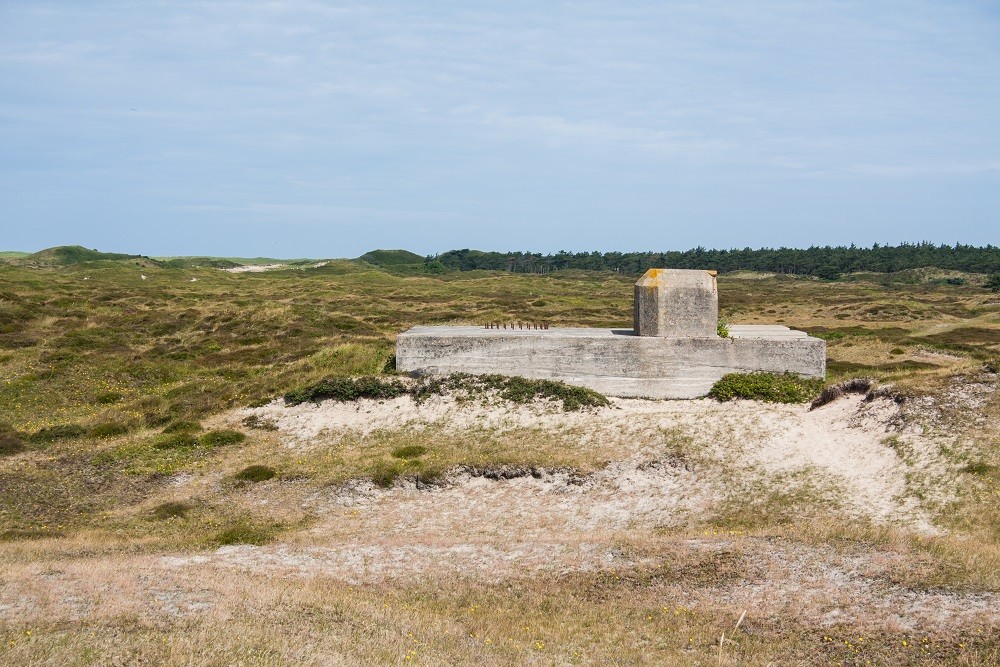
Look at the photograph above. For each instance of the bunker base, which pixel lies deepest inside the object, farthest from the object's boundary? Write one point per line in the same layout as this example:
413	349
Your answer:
615	362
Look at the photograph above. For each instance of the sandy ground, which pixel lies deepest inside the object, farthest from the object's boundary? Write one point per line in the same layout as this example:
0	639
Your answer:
552	523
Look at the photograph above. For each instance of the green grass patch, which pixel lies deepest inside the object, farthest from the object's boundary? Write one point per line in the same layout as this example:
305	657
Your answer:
106	430
246	532
255	473
171	510
221	438
768	387
182	426
979	468
180	440
59	432
409	452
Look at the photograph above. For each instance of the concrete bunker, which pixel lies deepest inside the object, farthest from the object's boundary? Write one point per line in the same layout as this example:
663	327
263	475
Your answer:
672	351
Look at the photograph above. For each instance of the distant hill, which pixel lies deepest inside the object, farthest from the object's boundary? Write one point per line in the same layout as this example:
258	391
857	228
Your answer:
391	258
198	263
66	255
402	262
12	254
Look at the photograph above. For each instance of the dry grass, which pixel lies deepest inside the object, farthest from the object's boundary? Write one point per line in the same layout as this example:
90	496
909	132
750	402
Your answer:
520	534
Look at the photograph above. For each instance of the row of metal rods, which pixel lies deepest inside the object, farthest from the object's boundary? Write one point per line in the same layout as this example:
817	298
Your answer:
516	325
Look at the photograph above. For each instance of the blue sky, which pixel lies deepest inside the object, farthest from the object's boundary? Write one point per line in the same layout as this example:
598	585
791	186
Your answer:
323	129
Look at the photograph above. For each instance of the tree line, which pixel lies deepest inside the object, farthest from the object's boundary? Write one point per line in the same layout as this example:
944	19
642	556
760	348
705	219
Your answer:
827	262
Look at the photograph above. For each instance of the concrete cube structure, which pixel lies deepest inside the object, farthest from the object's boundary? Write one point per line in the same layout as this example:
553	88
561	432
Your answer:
676	303
673	351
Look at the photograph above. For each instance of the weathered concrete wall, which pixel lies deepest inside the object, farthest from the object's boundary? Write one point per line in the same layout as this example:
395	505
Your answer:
676	303
613	362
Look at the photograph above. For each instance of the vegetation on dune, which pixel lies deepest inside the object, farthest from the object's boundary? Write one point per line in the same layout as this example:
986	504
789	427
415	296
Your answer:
112	384
515	389
768	387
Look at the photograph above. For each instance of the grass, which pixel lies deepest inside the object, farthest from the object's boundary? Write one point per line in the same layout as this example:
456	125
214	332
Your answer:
117	459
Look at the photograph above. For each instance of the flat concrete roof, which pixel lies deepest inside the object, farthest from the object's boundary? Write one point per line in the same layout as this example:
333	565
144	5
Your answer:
765	331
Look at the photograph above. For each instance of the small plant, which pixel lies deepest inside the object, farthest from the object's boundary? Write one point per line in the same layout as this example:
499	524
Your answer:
179	440
390	365
993	282
253	474
409	452
384	474
108	398
108	430
60	432
244	532
10	441
768	387
182	426
170	510
221	438
259	423
896	351
722	329
978	468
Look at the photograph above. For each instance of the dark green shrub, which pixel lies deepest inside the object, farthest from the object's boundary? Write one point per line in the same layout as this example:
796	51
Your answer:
221	438
516	389
18	534
993	282
409	452
171	510
255	421
108	430
979	468
108	398
244	532
769	387
10	441
60	432
175	440
181	426
384	474
255	474
390	365
347	389
896	351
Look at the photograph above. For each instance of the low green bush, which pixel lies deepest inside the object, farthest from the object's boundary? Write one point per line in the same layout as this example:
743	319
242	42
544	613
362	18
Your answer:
347	389
245	532
171	510
769	387
11	441
259	423
384	474
255	474
511	388
409	452
60	432
221	438
180	426
175	440
108	430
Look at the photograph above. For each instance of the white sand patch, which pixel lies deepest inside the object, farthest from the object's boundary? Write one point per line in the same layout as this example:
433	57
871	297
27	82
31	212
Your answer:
253	268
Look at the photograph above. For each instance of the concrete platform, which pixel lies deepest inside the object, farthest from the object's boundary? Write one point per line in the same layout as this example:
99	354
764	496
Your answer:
616	362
